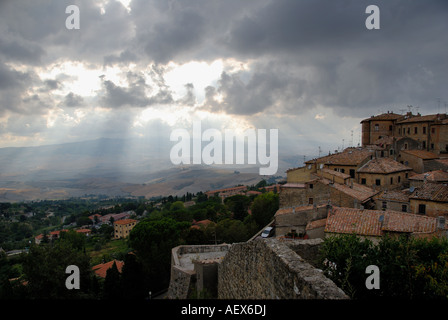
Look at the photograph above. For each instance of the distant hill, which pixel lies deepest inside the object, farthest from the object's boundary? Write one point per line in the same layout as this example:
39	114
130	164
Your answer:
112	167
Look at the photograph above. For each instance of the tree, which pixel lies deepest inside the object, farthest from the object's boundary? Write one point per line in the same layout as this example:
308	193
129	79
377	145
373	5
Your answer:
112	286
264	208
132	278
152	241
238	205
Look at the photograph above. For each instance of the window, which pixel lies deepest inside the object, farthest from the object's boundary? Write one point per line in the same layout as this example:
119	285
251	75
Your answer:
404	208
311	186
415	130
390	128
424	130
378	182
399	179
391	180
377	127
422	208
384	205
409	130
399	130
391	151
310	200
432	146
352	173
405	146
424	144
342	170
407	174
433	130
363	181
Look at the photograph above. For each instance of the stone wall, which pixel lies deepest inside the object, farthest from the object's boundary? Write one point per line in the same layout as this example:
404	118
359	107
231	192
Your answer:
187	267
272	269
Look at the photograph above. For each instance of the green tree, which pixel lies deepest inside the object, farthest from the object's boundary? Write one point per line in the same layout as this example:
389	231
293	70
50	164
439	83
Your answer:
152	241
238	205
264	208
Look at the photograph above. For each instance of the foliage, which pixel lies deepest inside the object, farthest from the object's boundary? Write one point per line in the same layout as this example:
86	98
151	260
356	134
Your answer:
409	268
264	208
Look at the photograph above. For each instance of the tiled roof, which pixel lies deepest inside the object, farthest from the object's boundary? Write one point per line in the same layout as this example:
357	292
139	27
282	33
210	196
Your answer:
384	116
429	117
335	173
383	165
348	157
432	192
394	195
375	222
423	154
125	221
290	210
437	176
316	224
355	190
348	220
101	269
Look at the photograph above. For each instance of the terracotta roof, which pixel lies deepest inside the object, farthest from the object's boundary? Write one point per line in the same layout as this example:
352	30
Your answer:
101	269
431	191
375	222
125	221
355	190
227	189
316	224
436	176
418	118
384	116
335	173
423	154
291	210
383	165
348	157
394	195
348	220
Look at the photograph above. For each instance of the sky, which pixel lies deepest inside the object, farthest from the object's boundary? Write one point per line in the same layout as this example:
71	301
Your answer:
142	68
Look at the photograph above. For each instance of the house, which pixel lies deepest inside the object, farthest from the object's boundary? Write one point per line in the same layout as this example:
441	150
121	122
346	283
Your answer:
383	173
123	227
100	270
430	199
396	200
298	219
416	159
374	224
377	127
423	132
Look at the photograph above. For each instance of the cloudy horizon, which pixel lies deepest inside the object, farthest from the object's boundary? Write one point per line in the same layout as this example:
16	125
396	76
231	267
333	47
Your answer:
138	68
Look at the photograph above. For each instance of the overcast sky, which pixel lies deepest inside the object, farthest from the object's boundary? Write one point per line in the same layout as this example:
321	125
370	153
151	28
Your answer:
310	69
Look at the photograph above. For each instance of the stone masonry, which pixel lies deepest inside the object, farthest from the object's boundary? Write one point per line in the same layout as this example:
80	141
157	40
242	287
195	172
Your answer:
272	269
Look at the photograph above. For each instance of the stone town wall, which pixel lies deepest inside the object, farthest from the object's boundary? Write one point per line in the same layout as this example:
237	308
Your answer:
272	269
183	278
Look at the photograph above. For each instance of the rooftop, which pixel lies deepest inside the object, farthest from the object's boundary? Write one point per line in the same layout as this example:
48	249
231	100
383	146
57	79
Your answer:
394	195
376	222
420	118
101	269
385	116
348	157
431	191
423	154
383	165
436	176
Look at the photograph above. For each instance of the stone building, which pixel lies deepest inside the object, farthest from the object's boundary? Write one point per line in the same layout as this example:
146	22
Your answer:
416	159
396	200
431	199
383	173
422	132
122	228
